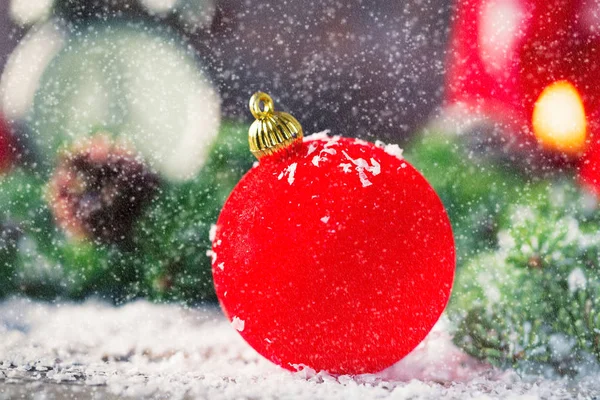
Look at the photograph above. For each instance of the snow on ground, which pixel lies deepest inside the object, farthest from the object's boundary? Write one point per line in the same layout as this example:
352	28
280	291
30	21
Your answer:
94	350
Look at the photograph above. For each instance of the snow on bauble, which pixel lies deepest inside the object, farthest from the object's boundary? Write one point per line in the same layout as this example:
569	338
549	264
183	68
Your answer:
335	253
136	81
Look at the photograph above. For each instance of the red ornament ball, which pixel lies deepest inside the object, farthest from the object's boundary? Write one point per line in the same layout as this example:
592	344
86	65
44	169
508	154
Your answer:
337	255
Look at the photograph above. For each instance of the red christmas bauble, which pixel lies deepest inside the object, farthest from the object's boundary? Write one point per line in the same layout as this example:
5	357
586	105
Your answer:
335	255
530	64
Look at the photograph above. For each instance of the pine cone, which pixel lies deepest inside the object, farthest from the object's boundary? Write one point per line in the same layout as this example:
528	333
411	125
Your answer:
99	189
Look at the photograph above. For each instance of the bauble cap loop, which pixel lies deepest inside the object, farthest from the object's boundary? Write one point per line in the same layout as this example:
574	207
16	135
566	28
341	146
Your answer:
272	131
255	103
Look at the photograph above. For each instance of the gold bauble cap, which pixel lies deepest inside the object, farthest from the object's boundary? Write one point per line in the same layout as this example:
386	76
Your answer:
272	131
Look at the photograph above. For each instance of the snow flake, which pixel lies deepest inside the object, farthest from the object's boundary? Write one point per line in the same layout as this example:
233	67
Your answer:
322	156
221	266
311	148
363	178
212	255
212	233
576	280
238	324
375	169
361	166
290	171
319	135
391	149
325	219
170	334
346	167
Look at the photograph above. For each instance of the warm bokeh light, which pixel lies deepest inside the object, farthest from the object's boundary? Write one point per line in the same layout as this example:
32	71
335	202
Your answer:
558	120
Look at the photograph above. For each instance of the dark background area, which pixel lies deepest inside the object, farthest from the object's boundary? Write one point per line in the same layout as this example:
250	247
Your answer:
368	69
359	68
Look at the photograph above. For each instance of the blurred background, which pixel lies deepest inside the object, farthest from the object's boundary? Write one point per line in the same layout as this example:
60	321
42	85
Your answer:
123	123
358	67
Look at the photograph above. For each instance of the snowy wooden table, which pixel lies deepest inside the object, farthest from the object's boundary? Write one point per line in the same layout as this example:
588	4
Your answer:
142	350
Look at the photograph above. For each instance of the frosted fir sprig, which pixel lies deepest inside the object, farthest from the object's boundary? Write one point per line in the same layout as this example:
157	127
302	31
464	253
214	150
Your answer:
532	302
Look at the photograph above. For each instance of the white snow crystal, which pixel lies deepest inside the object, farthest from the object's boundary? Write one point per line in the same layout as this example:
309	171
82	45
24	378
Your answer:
391	149
363	178
319	135
238	324
212	233
221	266
290	171
576	280
326	148
325	219
375	169
212	255
361	166
346	167
322	156
311	148
154	351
